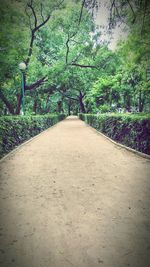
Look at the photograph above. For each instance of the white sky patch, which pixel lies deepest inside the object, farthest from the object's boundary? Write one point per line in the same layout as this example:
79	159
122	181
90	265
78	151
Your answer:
101	19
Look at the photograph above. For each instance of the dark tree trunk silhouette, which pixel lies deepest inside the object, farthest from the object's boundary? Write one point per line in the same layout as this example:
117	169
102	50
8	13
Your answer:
35	105
141	101
82	106
7	103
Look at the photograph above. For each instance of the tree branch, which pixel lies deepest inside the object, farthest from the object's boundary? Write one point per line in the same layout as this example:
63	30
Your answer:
36	84
131	7
75	33
67	45
33	31
70	97
42	12
36	25
29	16
83	3
42	24
30	5
67	96
30	48
84	66
144	15
111	16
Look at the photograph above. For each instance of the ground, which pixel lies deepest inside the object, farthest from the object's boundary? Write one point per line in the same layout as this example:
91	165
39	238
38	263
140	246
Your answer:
70	197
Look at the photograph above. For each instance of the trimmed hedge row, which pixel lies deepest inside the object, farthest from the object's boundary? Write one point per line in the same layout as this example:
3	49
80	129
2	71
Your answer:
14	130
132	130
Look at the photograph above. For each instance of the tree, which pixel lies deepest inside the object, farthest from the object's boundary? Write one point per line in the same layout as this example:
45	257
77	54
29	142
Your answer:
36	16
68	65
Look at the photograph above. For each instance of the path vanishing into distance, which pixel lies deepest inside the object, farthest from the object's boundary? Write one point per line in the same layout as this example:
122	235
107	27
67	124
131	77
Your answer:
70	197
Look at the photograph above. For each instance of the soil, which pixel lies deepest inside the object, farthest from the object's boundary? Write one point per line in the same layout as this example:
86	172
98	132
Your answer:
70	197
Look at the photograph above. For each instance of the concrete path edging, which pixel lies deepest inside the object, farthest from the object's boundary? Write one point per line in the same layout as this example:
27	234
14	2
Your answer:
121	145
26	142
111	140
72	198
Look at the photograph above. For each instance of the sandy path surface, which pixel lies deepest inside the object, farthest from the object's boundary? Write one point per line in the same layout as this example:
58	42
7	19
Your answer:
70	197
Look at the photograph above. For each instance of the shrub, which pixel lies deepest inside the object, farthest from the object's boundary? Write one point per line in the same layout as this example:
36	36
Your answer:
16	129
104	108
132	130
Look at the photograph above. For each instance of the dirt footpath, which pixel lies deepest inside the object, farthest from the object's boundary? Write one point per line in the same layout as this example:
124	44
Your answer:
70	197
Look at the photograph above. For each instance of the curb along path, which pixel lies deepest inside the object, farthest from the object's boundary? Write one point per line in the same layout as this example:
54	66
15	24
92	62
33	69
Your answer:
70	197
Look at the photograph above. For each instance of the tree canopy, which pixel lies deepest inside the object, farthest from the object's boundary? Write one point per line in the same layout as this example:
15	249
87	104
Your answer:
70	68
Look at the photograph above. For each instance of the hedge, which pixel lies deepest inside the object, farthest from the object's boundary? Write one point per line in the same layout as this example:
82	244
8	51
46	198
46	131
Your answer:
132	130
16	129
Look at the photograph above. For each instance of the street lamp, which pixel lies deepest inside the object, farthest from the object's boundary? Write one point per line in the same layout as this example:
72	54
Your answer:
22	67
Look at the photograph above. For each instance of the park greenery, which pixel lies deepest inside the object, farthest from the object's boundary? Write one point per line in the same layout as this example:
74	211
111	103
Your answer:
16	129
132	130
70	69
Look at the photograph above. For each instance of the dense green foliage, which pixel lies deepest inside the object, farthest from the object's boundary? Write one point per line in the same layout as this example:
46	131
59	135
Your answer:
69	66
132	130
16	129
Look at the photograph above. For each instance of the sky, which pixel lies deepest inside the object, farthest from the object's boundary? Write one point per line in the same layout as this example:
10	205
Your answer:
101	18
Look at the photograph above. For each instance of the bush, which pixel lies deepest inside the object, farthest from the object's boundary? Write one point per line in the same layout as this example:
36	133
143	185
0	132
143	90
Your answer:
132	130
104	108
16	129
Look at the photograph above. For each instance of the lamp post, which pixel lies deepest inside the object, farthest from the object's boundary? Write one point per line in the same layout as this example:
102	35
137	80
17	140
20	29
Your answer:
22	67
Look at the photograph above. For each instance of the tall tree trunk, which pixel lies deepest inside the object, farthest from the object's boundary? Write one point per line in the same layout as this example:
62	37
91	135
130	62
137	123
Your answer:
127	102
82	106
69	107
19	104
59	106
7	103
35	106
141	101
